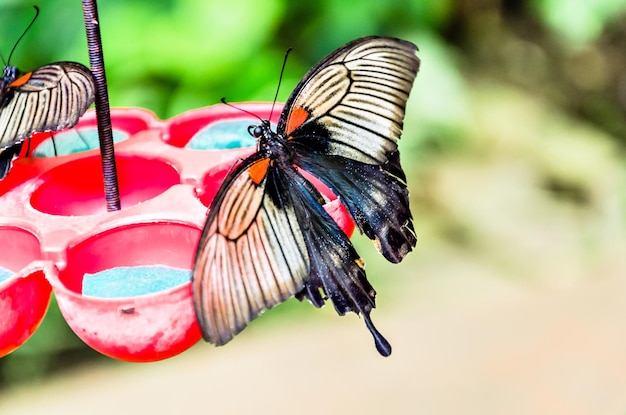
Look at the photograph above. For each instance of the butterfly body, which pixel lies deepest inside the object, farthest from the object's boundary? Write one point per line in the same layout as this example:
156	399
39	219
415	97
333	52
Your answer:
267	236
9	74
271	144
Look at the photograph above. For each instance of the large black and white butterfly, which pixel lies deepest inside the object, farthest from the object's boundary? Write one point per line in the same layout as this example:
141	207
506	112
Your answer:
50	98
267	237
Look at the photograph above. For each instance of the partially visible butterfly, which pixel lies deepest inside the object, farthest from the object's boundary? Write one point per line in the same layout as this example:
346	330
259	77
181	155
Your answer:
267	237
50	98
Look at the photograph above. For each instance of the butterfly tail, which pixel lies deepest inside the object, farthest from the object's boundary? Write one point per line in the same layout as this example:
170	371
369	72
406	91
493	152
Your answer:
336	271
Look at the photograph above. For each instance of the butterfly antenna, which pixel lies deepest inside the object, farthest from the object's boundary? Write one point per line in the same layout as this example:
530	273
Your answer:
27	154
223	100
54	145
24	33
280	80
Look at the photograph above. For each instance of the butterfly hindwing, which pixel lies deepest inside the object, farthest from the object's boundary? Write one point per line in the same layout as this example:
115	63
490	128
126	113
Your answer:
6	157
377	200
336	271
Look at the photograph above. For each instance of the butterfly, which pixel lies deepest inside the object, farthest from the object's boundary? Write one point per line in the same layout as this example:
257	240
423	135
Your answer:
50	98
267	237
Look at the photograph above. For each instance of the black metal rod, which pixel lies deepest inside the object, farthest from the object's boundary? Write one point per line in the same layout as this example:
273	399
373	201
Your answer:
103	113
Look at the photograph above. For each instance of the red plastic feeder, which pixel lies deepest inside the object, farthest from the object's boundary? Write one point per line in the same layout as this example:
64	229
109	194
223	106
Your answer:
24	300
57	235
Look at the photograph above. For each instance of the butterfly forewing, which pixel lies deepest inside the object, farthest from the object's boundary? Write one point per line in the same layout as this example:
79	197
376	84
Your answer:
251	254
358	96
50	98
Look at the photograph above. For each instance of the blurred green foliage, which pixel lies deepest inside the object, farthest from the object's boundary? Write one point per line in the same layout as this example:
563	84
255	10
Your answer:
579	23
173	55
170	56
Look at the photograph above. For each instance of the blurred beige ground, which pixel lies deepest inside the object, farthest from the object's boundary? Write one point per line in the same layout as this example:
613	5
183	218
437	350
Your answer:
475	345
514	301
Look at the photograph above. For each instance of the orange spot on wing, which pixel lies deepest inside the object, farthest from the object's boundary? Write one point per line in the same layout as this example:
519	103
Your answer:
297	117
258	170
21	80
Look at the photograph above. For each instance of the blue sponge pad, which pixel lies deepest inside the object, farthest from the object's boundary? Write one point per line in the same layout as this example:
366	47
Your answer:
223	135
5	274
133	281
73	141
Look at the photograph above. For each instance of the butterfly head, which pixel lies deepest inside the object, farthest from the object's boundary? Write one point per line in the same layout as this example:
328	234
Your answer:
263	133
270	143
256	131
